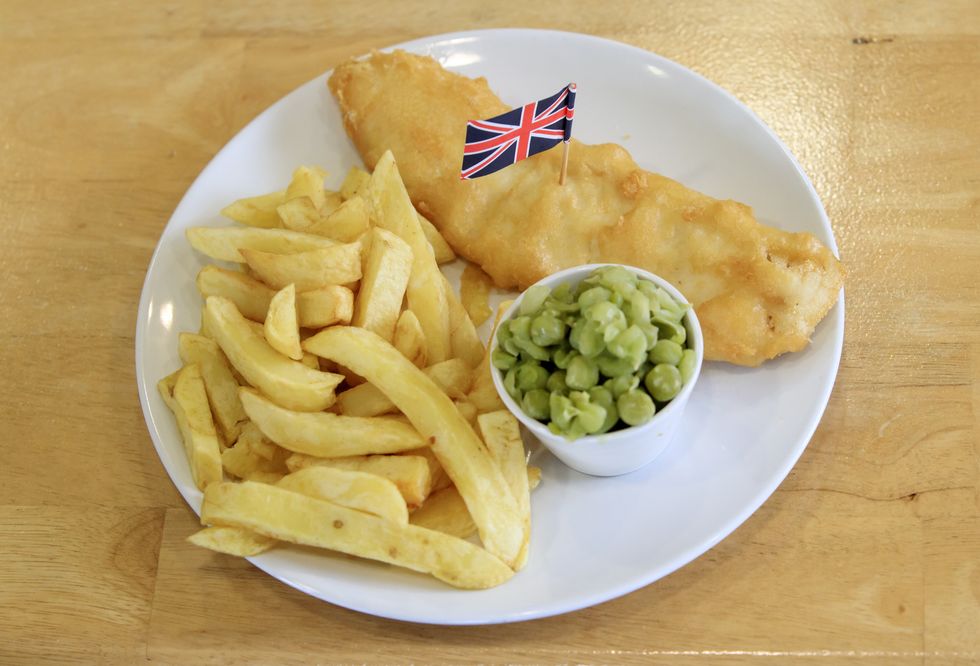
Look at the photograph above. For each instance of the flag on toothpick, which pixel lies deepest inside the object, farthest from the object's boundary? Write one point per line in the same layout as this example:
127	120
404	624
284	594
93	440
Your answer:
506	139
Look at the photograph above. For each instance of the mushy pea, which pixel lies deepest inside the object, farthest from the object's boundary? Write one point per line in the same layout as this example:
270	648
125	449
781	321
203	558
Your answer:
597	357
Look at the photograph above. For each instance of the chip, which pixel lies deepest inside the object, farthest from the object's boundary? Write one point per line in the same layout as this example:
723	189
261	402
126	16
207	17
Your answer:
289	516
288	382
282	326
462	454
337	265
327	435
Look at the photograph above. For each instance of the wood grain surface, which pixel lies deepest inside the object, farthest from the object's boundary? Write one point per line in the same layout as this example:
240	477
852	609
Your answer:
868	553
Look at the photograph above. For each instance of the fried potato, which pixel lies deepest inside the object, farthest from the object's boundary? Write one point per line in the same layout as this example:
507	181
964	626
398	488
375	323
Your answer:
325	306
474	293
310	360
219	382
440	248
468	410
232	541
290	383
262	446
356	490
254	457
226	243
411	474
298	214
347	223
445	511
189	403
166	387
327	435
354	182
282	326
340	264
438	479
250	296
308	182
464	339
409	338
502	434
387	268
462	454
289	516
257	211
393	211
483	394
306	358
533	477
452	376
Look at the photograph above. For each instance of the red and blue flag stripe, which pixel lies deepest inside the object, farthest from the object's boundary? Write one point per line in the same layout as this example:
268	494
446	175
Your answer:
506	139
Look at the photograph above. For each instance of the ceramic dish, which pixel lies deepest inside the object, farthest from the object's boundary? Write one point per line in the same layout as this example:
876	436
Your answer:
744	430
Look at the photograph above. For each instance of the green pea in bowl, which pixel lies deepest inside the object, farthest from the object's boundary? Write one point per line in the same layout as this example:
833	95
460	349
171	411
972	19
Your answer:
598	362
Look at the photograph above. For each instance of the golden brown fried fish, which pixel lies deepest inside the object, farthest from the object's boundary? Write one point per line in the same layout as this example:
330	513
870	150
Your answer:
758	291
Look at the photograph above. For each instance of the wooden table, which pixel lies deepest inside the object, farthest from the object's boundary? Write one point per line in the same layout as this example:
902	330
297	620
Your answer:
870	550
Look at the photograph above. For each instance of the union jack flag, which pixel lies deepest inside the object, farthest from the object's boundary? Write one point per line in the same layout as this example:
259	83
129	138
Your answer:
506	139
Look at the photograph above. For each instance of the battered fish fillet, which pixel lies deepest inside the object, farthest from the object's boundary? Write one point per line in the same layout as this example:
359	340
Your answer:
758	291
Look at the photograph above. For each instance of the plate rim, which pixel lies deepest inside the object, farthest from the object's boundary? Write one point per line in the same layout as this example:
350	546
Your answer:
635	583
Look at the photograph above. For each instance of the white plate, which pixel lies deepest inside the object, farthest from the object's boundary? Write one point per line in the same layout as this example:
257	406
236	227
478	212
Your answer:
593	538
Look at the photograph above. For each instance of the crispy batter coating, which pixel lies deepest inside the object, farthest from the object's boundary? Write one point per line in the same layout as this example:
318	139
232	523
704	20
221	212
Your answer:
758	291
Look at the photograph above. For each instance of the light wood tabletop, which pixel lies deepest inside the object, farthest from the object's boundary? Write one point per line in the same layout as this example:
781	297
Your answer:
869	551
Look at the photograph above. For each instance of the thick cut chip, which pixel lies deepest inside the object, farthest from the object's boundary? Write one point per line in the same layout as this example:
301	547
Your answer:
387	268
298	214
410	474
347	223
393	211
257	211
474	293
314	309
438	479
464	339
282	325
483	394
219	382
533	477
308	182
357	490
310	360
166	388
356	180
189	402
290	383
327	435
263	447
340	264
250	296
409	338
445	511
468	410
226	243
232	541
502	434
440	248
289	516
436	418
326	306
254	457
452	376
